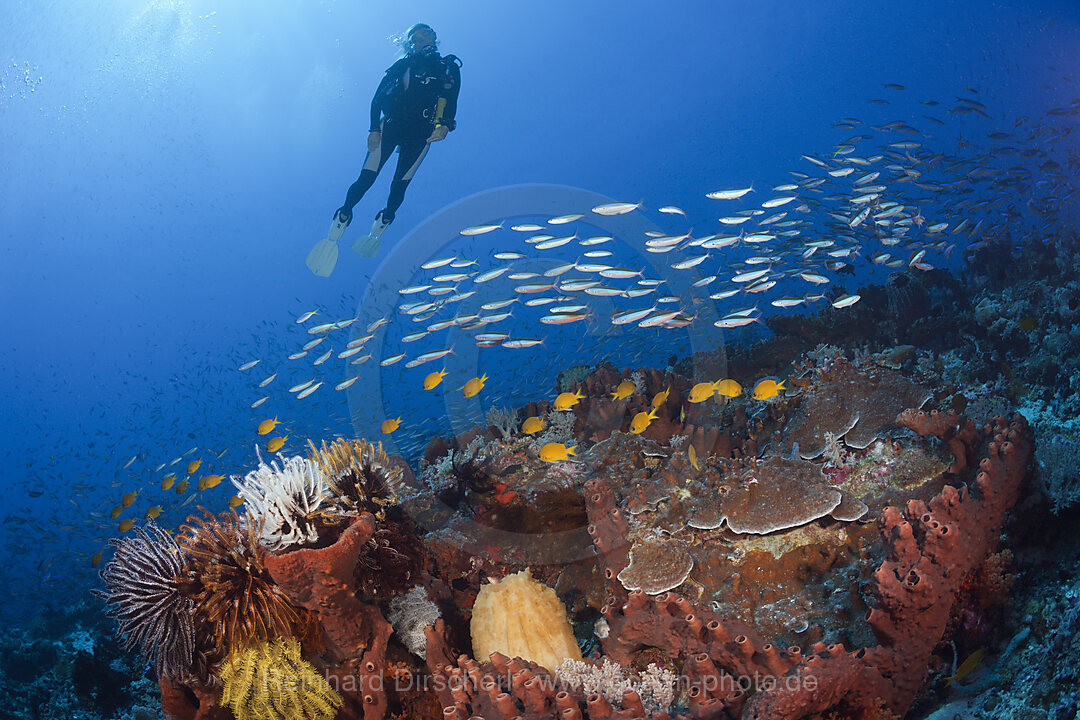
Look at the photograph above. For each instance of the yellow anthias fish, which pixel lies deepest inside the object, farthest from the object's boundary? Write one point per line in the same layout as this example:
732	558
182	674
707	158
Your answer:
474	386
433	379
236	501
661	397
729	388
266	426
532	425
641	421
154	511
389	426
276	444
167	482
126	525
210	481
128	499
767	389
702	392
95	559
692	454
967	666
116	512
193	466
553	452
567	400
626	389
181	487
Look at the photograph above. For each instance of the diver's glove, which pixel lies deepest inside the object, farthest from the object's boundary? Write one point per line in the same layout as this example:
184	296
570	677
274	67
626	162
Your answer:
374	139
438	133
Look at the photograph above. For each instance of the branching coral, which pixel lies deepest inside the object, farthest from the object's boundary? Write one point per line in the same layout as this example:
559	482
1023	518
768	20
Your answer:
504	419
285	502
271	681
143	594
656	686
233	593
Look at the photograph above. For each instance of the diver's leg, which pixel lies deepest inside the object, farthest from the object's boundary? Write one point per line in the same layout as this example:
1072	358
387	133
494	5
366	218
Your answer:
373	164
409	158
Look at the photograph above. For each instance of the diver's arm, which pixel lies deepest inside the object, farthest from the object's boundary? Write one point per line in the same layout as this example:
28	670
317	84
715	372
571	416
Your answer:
450	92
447	105
379	97
377	103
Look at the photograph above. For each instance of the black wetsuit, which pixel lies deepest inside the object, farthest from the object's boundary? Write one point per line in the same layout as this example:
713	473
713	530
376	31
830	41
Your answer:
418	92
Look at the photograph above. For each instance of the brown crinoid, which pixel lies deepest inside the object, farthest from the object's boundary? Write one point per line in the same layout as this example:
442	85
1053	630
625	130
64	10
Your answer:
235	598
360	475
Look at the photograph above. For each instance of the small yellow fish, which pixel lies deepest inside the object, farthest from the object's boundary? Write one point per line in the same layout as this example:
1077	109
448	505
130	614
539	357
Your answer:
567	400
236	501
266	426
128	499
532	425
389	426
193	466
116	512
95	559
767	389
692	454
167	482
661	397
729	388
433	379
276	444
702	392
181	487
641	421
626	389
126	525
967	666
153	512
682	415
210	481
474	386
553	452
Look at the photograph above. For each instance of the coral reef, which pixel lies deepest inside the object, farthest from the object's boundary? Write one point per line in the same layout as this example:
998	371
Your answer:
813	556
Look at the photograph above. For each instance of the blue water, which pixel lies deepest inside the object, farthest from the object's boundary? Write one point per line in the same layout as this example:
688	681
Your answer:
167	166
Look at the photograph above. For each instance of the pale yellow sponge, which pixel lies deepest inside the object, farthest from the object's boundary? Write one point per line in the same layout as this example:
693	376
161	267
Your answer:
520	617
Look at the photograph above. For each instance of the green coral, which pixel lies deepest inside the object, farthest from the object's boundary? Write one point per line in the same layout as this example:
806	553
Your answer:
271	681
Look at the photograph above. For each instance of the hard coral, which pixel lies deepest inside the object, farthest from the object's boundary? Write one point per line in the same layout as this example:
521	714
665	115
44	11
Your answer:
850	403
776	494
655	567
143	592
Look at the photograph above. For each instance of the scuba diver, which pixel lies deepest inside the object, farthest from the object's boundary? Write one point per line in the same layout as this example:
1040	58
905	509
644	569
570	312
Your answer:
414	106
